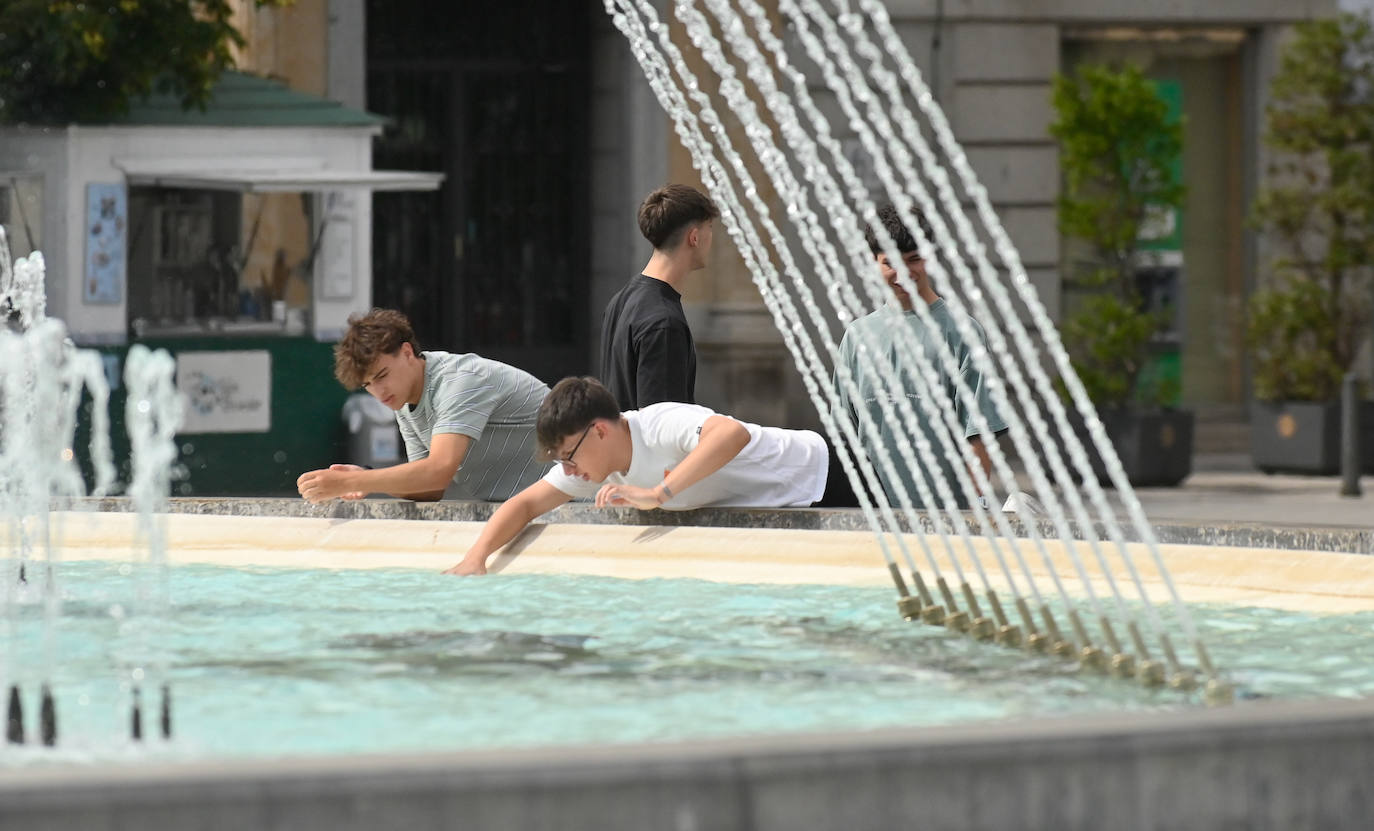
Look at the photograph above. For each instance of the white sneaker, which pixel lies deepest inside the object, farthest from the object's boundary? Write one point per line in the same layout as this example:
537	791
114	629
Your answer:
1020	502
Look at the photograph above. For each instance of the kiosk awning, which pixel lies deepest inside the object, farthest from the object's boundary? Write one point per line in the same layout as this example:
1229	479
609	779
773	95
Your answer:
213	174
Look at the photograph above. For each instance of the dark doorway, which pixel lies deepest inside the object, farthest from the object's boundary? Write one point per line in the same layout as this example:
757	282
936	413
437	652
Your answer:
496	96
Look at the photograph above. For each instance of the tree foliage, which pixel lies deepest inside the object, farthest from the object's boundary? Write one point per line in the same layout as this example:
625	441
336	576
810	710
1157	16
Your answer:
1117	148
1306	324
1293	329
64	62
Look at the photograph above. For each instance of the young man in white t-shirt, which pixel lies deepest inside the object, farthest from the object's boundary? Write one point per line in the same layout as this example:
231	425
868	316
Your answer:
668	455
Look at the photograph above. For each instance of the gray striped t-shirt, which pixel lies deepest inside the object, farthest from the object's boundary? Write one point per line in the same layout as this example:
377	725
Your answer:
493	404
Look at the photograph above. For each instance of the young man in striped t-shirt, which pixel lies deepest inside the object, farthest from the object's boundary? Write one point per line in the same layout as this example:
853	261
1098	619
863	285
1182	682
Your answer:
468	422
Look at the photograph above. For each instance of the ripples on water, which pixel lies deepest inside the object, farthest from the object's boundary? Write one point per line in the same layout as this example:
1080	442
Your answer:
265	661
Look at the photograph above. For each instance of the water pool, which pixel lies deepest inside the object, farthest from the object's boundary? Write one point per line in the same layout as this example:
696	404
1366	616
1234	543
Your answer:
270	662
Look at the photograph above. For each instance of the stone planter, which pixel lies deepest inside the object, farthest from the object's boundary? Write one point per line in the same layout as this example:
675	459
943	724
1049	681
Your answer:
1305	436
1155	448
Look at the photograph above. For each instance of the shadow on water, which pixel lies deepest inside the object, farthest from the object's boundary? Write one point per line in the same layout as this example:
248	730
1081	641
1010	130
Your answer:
420	651
499	648
455	654
918	648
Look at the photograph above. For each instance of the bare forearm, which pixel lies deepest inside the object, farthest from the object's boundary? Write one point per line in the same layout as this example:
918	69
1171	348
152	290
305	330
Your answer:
721	441
420	480
511	518
980	452
507	521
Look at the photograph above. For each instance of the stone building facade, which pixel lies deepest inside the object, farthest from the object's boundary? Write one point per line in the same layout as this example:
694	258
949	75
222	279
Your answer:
990	62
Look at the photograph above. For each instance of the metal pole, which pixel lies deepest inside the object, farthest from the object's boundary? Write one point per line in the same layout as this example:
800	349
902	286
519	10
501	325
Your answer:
1350	437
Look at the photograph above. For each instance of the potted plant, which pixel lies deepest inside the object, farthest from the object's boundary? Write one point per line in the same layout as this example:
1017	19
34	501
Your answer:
1308	320
1119	149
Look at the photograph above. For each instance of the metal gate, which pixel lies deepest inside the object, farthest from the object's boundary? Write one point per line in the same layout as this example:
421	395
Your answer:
496	96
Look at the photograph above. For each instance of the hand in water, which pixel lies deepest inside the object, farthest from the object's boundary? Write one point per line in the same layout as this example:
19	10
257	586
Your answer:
470	566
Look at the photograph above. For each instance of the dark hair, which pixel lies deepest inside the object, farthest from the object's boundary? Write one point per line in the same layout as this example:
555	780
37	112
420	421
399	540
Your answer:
370	336
570	407
666	214
906	243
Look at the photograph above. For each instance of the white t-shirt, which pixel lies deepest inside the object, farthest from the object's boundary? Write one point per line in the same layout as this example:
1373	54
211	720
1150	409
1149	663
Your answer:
778	468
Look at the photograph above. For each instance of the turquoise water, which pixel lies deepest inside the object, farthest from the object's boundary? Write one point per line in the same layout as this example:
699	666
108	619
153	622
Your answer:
292	662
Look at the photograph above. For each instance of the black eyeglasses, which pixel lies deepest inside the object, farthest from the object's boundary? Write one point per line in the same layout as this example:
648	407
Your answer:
569	460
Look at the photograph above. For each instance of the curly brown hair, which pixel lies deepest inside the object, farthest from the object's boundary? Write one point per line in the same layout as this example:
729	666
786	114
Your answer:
370	336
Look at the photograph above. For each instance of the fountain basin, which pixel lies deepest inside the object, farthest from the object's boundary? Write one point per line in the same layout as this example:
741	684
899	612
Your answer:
1166	760
1279	764
1314	581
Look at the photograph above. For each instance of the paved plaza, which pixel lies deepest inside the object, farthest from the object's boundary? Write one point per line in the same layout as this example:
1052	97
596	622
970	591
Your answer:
1222	490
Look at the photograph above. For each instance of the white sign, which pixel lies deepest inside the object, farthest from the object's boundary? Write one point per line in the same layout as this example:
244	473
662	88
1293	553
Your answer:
226	392
337	260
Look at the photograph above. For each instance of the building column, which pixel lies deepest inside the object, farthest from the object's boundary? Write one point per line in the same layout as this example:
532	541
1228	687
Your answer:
346	53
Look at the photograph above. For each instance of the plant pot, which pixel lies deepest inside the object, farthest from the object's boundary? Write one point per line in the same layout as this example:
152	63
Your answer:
1155	448
1305	436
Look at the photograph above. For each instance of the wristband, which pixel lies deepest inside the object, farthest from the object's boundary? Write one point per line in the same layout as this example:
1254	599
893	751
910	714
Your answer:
667	492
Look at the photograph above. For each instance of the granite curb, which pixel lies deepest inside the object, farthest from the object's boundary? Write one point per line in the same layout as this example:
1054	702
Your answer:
1241	535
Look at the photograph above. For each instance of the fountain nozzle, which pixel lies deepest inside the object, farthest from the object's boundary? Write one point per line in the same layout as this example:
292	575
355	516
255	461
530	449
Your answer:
14	730
47	718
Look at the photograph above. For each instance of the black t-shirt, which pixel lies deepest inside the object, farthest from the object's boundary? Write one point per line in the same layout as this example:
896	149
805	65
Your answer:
647	353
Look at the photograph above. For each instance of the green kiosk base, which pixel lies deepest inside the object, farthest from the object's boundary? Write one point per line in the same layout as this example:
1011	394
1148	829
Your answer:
298	427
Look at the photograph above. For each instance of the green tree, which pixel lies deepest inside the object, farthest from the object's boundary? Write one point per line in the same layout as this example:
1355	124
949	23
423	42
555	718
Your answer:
64	62
1306	324
1117	148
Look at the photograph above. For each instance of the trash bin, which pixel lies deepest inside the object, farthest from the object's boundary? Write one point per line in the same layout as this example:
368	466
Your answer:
374	440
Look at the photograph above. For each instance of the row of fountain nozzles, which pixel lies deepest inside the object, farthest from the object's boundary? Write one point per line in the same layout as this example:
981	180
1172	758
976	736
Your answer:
47	718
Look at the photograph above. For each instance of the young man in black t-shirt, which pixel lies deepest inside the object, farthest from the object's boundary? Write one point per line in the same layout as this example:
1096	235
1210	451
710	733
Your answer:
647	352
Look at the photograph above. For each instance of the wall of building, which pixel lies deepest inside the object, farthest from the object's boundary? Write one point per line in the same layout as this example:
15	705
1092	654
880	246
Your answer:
289	44
998	101
991	64
629	159
346	48
1114	11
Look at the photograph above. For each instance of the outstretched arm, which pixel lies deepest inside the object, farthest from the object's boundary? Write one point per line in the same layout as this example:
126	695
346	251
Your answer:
509	520
722	439
980	452
423	480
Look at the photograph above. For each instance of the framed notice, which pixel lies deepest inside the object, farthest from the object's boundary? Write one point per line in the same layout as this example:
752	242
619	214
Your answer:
226	392
107	221
338	265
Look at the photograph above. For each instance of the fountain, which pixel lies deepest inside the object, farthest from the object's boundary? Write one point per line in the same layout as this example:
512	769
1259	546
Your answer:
42	381
798	162
1033	605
